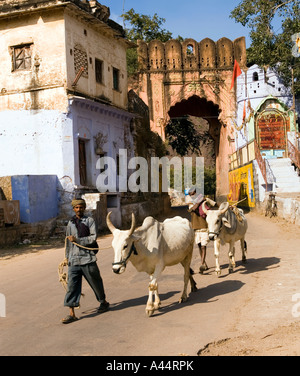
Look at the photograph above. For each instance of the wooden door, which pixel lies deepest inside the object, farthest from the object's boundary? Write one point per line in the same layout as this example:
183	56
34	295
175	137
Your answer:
271	129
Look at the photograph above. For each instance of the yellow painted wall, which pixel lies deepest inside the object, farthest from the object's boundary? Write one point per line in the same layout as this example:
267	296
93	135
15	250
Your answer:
241	186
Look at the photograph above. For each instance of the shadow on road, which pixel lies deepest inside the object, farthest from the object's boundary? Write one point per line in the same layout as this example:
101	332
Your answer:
259	265
207	294
251	266
141	301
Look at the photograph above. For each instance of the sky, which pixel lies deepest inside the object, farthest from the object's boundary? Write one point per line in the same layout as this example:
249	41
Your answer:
196	19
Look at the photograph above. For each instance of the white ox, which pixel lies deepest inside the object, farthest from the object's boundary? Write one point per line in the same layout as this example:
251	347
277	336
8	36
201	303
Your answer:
151	248
225	227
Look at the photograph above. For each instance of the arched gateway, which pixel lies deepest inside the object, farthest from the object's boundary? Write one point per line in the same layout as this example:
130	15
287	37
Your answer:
191	78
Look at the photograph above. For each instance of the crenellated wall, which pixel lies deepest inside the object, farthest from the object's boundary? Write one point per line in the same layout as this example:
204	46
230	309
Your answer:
191	55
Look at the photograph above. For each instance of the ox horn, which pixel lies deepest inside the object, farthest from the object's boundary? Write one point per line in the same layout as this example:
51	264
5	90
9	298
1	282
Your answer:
204	207
226	207
110	226
131	231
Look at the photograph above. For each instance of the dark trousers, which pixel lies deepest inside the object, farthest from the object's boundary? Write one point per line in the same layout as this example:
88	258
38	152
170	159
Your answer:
92	274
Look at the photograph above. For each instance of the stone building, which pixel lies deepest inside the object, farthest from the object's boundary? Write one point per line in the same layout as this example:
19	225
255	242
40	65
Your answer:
63	94
193	78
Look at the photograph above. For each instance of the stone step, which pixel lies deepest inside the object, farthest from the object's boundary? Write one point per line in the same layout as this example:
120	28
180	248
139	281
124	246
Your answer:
287	179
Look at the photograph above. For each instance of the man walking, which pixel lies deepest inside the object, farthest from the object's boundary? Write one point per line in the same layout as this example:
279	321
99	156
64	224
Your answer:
199	224
82	261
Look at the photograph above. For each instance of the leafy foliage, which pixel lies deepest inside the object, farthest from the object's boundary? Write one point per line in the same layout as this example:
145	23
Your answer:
182	136
210	181
145	27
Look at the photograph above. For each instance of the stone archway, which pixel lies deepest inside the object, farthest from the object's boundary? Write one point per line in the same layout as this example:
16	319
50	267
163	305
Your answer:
199	107
195	76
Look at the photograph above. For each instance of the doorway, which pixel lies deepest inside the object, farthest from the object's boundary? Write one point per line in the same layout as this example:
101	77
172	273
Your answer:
82	162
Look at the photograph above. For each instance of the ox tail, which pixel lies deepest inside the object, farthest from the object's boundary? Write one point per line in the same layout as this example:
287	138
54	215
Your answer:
245	245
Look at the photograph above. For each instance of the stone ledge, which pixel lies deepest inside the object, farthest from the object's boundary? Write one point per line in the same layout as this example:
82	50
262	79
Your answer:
288	207
15	234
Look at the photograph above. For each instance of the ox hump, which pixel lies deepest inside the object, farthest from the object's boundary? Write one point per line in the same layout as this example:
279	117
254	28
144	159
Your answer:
178	220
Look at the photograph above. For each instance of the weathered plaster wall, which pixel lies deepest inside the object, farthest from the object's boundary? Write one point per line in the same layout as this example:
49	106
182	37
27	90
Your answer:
31	143
90	119
97	44
86	120
41	120
37	196
40	86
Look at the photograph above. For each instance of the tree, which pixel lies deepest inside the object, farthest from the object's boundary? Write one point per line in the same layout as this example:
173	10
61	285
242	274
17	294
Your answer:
182	136
145	28
269	47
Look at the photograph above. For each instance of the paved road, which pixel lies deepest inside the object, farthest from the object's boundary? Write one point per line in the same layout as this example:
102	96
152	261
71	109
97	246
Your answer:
257	294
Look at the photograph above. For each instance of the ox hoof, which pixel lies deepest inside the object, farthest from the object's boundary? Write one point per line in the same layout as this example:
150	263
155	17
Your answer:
244	260
183	300
149	312
230	271
218	273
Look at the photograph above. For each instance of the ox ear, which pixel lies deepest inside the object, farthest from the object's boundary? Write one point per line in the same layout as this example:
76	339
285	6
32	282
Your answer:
135	237
226	223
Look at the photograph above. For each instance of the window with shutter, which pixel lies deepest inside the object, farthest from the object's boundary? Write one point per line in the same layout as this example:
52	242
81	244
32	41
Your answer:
21	57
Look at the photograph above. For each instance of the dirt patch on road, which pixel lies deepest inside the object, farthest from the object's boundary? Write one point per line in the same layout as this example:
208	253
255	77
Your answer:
264	320
283	341
34	247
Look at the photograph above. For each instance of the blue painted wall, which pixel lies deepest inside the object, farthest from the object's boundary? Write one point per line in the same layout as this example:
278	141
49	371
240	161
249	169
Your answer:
37	195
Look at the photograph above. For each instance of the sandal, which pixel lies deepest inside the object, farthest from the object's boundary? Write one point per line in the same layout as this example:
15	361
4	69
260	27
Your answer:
69	319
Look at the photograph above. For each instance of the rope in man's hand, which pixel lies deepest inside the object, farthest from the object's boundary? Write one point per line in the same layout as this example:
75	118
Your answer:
62	275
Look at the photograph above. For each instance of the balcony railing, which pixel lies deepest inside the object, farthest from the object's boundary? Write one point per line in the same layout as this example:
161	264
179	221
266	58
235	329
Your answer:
294	154
246	155
261	163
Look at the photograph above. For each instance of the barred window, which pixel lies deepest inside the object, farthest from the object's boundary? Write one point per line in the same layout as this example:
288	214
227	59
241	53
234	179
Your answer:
116	79
21	57
81	61
99	71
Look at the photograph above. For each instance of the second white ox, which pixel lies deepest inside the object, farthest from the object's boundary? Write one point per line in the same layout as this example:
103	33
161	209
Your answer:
225	227
151	248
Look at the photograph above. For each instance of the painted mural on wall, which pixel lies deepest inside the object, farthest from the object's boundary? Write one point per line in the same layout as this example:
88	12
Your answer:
241	186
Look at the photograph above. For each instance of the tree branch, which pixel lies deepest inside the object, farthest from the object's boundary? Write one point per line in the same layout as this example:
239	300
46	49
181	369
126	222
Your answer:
275	9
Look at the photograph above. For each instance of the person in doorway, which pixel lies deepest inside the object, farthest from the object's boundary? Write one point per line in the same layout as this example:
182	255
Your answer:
199	223
81	230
